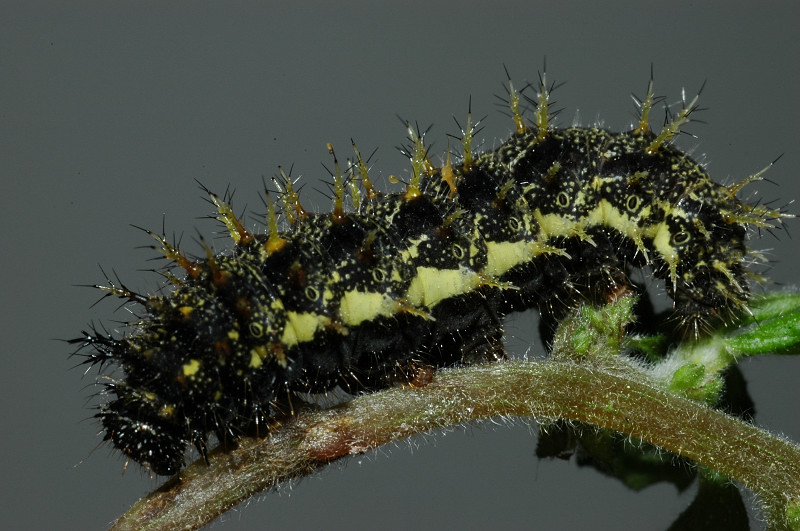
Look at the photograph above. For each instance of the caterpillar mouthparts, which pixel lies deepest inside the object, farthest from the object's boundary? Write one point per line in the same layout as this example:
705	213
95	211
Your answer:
384	283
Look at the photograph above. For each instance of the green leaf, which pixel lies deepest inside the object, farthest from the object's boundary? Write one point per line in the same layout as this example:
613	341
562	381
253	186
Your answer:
773	327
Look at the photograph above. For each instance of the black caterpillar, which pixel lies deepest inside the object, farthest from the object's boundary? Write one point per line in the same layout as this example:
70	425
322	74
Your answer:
361	296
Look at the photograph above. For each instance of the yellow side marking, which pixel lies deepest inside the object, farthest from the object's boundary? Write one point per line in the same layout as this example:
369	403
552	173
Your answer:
356	306
504	256
257	355
191	368
431	286
262	352
553	225
661	240
607	214
301	327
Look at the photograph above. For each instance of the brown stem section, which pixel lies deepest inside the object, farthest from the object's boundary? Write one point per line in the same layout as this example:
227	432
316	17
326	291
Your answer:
622	400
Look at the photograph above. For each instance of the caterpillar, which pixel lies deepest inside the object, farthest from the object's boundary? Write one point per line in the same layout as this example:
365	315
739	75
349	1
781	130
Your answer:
386	283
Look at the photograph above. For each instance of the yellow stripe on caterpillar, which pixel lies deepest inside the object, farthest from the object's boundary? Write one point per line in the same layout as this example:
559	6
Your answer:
430	286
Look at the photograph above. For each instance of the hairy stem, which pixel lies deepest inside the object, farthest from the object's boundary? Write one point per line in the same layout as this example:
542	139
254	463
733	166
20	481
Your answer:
601	393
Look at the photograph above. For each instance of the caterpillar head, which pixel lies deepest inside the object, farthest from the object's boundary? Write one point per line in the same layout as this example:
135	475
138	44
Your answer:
702	252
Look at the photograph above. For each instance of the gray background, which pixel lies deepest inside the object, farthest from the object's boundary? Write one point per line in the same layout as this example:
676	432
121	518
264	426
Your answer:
109	112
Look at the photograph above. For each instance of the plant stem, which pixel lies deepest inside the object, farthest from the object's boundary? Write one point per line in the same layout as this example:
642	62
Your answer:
597	393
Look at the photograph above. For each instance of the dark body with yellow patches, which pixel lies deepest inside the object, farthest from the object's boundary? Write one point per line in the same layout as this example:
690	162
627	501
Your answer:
361	298
223	351
606	189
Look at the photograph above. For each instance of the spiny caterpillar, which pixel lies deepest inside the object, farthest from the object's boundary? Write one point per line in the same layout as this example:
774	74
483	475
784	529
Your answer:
362	296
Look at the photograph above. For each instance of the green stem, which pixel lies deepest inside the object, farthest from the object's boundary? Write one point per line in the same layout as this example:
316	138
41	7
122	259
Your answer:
600	393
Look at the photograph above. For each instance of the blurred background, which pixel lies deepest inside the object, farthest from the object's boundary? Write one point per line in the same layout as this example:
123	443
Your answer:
110	111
